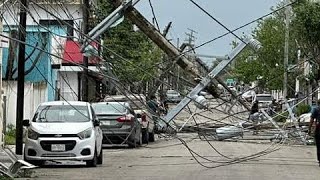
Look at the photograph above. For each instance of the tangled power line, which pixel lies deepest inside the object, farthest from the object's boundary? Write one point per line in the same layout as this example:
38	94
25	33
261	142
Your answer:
52	11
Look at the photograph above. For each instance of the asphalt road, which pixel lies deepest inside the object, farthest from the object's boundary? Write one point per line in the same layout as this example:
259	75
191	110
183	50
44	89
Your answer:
168	159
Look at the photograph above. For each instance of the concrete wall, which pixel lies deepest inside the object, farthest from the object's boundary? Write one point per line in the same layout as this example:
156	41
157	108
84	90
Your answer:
34	94
69	85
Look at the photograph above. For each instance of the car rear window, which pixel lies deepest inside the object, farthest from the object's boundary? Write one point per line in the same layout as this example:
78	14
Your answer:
109	108
62	113
137	102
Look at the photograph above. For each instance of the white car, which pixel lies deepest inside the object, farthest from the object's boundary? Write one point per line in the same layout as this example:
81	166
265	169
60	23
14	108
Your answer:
63	130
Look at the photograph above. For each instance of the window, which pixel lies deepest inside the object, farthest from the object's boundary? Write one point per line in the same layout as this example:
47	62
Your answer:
109	108
62	113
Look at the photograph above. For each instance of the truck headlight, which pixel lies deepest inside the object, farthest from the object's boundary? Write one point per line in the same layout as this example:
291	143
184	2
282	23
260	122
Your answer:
32	134
85	134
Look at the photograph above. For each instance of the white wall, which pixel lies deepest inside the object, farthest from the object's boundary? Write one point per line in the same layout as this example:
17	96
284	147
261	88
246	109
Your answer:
68	84
34	94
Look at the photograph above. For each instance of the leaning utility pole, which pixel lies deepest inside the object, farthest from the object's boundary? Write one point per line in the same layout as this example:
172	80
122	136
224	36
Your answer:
85	30
174	54
126	8
286	51
20	87
191	39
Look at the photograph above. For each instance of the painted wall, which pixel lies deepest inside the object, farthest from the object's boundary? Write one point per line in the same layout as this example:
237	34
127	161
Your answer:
41	82
42	71
65	12
34	94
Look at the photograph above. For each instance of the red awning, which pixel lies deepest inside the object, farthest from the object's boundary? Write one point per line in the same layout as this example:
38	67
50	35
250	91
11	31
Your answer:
73	55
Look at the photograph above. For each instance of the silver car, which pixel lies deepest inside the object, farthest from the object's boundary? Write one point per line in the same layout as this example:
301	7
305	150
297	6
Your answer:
119	123
139	104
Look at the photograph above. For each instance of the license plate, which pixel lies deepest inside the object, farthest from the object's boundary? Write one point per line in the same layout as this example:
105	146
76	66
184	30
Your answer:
106	123
58	147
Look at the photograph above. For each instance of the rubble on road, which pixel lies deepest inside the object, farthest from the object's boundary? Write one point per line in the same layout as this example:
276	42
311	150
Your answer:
12	166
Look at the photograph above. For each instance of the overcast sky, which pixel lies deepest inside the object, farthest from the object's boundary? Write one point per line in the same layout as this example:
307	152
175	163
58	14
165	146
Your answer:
184	15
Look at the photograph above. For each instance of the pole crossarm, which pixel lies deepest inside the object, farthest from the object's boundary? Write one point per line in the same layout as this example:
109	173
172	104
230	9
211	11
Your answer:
207	80
107	22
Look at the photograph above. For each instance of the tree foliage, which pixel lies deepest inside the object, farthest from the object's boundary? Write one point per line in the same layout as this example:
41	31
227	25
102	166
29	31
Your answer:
307	26
268	62
133	56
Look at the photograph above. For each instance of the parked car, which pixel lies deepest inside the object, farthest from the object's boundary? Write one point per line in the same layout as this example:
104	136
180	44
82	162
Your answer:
119	123
173	96
63	130
264	100
139	105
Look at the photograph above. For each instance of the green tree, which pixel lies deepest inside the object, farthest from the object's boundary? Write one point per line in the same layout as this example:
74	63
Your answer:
307	28
266	65
133	56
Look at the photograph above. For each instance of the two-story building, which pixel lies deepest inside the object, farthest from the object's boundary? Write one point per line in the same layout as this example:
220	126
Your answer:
53	56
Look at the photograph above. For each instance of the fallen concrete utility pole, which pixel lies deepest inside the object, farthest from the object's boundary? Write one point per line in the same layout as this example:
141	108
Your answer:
220	81
10	172
282	132
174	54
193	95
295	122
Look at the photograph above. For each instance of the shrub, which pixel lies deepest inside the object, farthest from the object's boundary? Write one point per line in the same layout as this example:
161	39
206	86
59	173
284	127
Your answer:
10	136
303	108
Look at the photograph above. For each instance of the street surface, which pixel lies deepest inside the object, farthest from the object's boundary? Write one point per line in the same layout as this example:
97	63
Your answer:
168	159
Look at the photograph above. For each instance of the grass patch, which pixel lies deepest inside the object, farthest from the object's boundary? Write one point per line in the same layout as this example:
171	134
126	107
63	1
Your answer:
10	136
